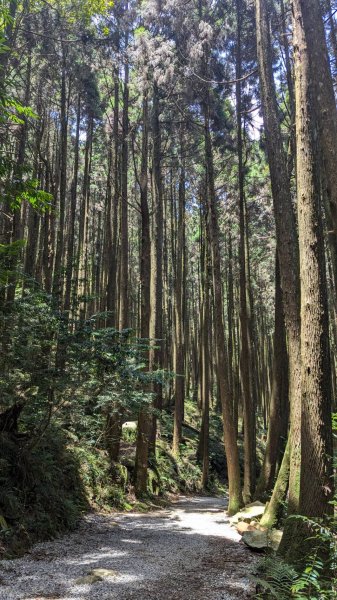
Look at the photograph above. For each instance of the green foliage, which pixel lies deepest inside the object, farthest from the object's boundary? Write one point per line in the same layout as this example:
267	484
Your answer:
12	249
183	474
41	492
139	31
177	475
30	192
103	366
129	435
95	471
274	579
83	10
14	112
64	406
316	580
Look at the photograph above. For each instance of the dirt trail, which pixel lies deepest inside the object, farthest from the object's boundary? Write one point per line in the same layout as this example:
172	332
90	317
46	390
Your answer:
186	552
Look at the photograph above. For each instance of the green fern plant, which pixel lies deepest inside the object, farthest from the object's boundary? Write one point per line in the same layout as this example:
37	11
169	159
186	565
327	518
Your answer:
274	579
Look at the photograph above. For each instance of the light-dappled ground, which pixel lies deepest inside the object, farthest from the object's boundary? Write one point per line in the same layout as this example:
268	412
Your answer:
186	552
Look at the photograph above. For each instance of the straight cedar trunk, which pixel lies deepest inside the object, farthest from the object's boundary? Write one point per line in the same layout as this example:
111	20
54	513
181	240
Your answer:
290	84
124	228
46	236
231	333
59	254
113	214
156	285
316	483
323	97
333	35
252	333
245	349
286	239
107	242
114	291
278	412
32	265
82	249
271	514
230	311
179	292
72	214
17	221
316	468
144	421
205	308
230	438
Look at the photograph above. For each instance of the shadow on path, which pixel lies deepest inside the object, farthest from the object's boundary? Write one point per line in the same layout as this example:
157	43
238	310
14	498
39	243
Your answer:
187	552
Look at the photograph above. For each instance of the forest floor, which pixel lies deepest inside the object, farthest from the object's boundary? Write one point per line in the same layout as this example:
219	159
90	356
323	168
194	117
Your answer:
187	551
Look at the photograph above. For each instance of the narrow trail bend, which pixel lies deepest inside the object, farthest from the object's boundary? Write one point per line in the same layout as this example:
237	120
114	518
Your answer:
185	552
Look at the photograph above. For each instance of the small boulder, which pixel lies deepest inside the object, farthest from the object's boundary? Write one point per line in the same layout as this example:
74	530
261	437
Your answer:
96	575
102	573
242	527
262	540
88	580
249	513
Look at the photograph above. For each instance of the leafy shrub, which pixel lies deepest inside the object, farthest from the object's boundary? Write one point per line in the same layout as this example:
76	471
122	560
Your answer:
274	579
316	580
95	471
41	492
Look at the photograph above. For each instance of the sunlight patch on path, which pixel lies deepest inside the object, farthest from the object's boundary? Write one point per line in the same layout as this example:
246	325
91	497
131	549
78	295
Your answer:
188	552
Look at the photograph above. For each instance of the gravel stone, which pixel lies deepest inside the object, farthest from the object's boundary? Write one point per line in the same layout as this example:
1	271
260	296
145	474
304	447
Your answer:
186	552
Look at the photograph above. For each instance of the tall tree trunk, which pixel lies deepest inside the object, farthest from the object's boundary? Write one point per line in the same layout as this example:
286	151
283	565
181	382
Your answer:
271	514
117	287
287	242
156	319
245	357
113	224
179	367
205	309
72	216
278	417
333	36
231	448
82	249
58	276
17	224
124	228
323	93
144	422
316	483
230	318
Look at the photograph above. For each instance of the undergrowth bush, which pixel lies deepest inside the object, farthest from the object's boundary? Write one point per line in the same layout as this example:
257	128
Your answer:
41	491
95	472
177	475
316	580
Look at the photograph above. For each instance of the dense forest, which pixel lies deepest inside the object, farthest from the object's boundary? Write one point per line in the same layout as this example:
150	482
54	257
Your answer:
168	269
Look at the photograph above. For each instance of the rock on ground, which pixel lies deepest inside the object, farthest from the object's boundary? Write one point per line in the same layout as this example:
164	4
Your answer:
186	552
249	512
262	540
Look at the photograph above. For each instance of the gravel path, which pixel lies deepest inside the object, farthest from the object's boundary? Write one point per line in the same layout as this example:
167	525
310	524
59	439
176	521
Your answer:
186	552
